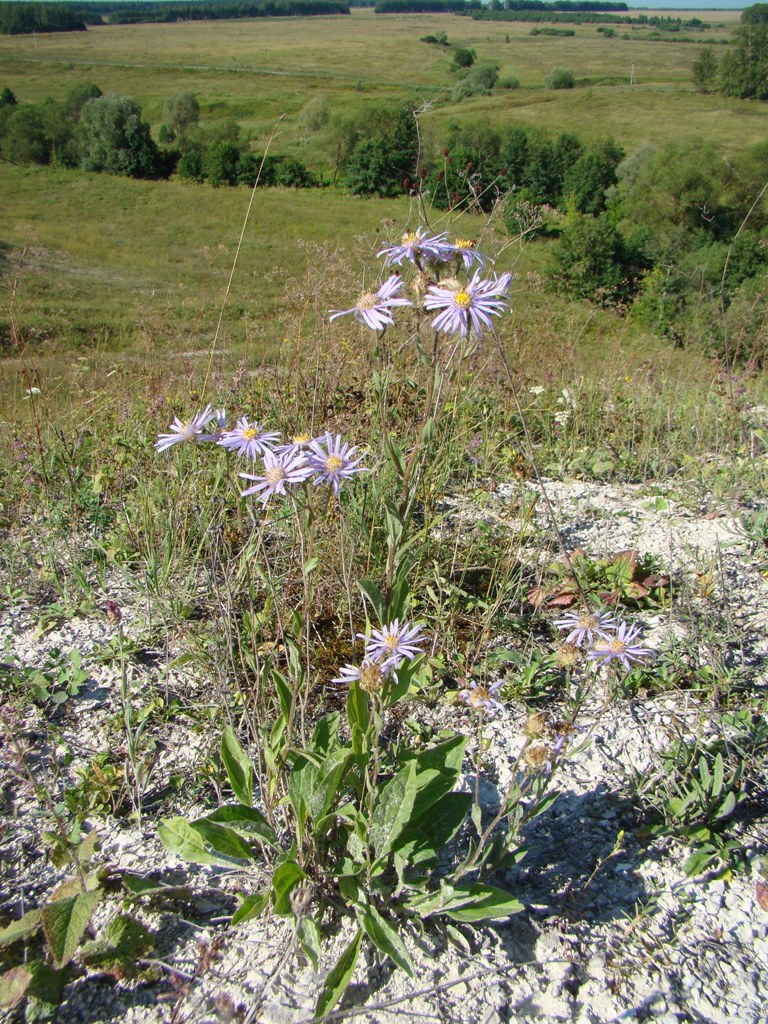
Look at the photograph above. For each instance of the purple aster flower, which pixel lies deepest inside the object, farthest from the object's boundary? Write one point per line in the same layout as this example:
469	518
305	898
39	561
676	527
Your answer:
332	460
298	443
187	430
280	468
248	439
585	626
374	308
393	643
468	305
481	697
417	246
371	675
622	647
465	252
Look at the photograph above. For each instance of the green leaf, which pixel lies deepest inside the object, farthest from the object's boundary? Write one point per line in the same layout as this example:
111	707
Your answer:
286	877
338	977
21	929
238	766
118	948
444	762
485	902
385	938
374	595
393	809
443	821
252	906
326	783
223	840
326	733
308	935
64	923
244	820
718	773
178	836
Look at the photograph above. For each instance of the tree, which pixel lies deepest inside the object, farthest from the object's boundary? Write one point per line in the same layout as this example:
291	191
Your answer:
380	164
704	70
115	139
24	140
7	99
587	180
180	113
463	57
220	163
592	261
744	70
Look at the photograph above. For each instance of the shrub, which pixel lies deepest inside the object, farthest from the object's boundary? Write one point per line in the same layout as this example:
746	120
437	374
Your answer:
464	58
559	78
509	82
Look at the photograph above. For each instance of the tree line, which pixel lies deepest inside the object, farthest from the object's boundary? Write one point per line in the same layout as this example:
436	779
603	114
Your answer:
25	18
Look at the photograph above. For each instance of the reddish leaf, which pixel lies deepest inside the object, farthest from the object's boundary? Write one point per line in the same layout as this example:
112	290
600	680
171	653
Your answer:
761	893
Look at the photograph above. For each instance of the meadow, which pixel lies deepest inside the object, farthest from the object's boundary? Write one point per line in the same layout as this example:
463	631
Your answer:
271	752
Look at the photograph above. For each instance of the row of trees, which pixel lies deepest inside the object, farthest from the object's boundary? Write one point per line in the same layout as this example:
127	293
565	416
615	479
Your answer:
24	18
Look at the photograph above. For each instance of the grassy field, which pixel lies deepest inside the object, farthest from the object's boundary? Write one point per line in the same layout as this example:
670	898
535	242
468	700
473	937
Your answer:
113	262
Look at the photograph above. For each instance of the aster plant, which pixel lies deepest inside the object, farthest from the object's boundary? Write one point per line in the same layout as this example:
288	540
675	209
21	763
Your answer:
281	470
374	309
249	439
183	431
332	460
624	647
468	307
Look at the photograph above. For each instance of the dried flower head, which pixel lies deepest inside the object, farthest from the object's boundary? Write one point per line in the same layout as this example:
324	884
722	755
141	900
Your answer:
537	756
536	725
112	611
371	675
568	656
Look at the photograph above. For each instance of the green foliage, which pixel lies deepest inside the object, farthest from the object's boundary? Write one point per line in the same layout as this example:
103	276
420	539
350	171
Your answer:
705	70
744	68
560	78
592	260
381	163
115	139
181	113
625	580
586	181
464	57
59	677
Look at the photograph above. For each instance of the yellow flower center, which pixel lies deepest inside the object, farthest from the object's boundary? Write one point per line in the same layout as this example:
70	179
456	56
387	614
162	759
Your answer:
188	431
391	640
367	300
463	299
301	438
274	475
464	243
333	462
410	237
587	621
617	646
250	434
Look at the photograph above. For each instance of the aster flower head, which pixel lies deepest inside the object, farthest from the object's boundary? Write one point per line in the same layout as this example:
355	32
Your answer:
299	443
392	644
187	430
417	247
332	460
480	697
585	627
280	470
374	308
370	674
623	647
468	306
248	439
464	252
